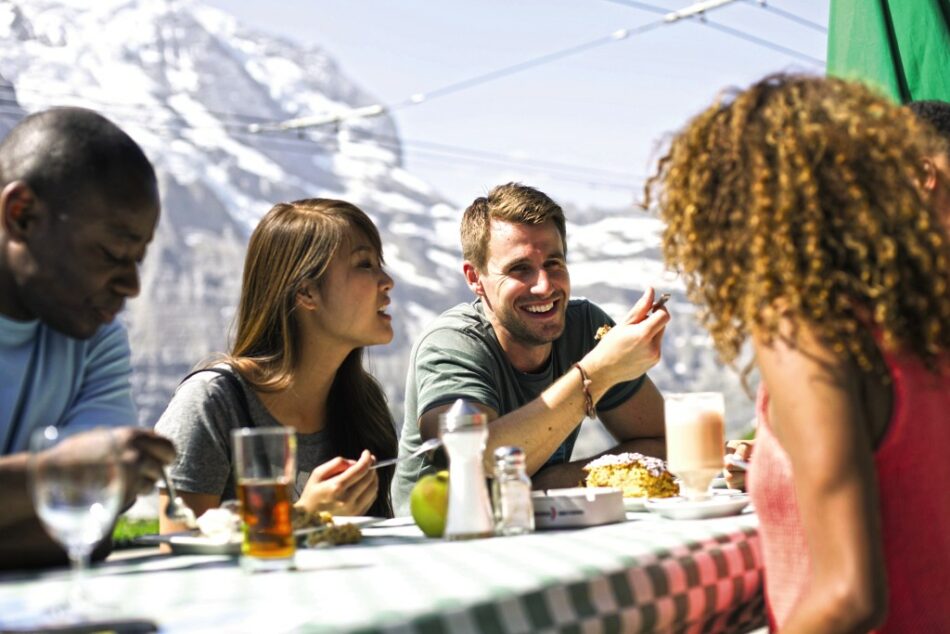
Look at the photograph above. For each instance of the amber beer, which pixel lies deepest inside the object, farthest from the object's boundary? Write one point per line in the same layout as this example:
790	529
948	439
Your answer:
265	511
695	440
265	460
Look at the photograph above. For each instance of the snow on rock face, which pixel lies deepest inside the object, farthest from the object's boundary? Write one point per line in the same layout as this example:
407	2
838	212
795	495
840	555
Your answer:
186	81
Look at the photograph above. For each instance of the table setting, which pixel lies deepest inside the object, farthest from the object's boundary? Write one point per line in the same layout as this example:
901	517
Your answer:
672	558
646	573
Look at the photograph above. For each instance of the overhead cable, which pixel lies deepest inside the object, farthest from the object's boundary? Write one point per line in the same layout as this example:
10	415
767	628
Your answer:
788	15
743	35
763	42
590	176
669	17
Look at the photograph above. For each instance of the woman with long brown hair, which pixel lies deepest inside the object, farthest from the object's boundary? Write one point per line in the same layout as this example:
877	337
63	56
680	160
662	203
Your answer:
794	213
314	294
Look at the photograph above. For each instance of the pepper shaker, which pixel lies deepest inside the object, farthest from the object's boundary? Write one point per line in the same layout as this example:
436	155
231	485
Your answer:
511	490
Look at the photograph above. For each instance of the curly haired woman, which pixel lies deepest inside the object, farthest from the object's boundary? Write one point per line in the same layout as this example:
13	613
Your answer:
795	216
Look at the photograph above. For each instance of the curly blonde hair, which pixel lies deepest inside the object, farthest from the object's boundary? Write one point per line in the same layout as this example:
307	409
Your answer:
798	199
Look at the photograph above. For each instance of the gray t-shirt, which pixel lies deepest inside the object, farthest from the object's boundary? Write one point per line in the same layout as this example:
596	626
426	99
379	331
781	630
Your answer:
199	420
458	356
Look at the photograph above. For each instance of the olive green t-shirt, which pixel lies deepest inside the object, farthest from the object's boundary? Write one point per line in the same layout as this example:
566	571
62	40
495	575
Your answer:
458	356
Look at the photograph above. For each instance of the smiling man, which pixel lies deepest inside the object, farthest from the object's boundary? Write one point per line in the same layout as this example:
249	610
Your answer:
78	206
525	353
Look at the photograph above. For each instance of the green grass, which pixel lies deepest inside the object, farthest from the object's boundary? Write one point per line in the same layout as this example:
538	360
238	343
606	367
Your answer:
127	529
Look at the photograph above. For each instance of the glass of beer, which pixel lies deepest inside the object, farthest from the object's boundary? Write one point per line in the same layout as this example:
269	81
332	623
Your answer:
265	462
695	440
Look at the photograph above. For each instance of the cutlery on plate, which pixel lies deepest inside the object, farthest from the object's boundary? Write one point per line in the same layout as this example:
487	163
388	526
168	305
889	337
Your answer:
428	445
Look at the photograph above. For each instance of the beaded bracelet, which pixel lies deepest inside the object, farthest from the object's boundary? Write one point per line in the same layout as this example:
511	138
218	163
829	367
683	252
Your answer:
588	399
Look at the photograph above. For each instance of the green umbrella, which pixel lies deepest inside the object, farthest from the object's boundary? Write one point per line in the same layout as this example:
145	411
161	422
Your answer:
900	46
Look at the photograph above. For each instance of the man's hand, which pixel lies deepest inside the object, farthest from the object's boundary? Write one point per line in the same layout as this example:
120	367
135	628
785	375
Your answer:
735	476
341	486
143	454
630	348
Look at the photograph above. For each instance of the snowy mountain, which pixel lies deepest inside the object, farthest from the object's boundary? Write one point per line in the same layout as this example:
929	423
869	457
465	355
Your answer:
186	81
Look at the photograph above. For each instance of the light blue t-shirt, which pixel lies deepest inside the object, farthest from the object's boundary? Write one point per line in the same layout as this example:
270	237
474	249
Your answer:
47	378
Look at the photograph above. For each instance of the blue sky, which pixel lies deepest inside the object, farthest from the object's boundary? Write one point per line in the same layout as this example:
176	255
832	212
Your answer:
600	113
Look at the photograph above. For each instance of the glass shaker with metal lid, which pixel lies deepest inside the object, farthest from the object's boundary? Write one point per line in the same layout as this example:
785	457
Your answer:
464	431
511	492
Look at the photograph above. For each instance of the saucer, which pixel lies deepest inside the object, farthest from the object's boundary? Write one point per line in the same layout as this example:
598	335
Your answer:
679	508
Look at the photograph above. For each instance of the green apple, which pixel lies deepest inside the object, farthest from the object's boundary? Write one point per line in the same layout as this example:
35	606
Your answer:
429	503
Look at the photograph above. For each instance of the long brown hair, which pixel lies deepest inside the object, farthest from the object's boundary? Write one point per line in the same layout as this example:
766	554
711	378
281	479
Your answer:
798	199
293	244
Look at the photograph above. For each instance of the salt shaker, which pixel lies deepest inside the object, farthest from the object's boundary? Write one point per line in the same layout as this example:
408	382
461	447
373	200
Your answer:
511	490
464	431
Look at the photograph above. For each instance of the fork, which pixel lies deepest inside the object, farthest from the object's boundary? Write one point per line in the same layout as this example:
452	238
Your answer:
176	510
428	445
735	461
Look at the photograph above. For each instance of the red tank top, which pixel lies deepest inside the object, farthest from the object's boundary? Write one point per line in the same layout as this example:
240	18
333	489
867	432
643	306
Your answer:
913	471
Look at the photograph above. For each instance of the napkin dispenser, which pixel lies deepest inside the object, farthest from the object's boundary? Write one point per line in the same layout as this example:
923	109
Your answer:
580	506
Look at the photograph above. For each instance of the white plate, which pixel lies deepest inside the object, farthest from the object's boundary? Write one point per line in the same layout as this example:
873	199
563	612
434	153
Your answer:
360	521
200	545
634	504
679	508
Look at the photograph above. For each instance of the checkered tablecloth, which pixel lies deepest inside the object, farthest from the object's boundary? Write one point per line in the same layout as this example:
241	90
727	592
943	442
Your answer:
644	575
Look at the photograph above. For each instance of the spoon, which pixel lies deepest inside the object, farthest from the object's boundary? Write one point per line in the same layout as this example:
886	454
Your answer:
176	510
428	445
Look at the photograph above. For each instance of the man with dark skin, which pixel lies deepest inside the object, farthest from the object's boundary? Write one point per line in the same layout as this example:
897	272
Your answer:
78	206
937	180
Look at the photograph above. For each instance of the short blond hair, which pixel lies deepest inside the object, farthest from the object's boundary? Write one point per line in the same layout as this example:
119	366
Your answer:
512	202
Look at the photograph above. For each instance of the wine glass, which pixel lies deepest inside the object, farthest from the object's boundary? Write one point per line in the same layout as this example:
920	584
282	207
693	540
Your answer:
75	478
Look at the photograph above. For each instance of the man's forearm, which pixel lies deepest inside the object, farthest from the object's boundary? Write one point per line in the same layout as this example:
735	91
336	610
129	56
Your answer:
28	545
24	543
543	424
655	447
571	474
540	426
17	503
560	476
